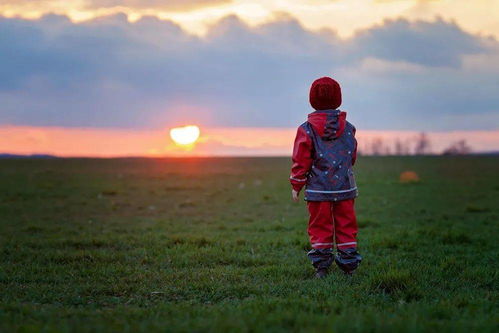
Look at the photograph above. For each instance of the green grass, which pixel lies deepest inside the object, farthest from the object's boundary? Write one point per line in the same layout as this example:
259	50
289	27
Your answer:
217	245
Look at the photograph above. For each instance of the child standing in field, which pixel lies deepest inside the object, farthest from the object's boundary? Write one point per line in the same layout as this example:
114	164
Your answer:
324	152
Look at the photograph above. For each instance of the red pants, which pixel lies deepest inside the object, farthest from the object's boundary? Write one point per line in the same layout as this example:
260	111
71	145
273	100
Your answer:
332	221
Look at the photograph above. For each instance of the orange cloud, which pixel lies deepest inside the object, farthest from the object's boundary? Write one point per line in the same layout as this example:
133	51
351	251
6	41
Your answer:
170	5
344	16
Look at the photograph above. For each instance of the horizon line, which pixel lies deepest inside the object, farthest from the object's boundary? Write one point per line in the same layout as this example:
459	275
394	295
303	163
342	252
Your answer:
6	155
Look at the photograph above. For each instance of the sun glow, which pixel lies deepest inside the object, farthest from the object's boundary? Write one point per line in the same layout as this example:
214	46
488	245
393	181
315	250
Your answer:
185	135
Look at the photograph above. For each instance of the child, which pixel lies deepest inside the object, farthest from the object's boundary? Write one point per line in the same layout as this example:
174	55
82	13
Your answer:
324	152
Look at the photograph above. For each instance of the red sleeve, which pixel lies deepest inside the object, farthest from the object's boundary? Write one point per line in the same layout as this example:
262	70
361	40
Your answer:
302	159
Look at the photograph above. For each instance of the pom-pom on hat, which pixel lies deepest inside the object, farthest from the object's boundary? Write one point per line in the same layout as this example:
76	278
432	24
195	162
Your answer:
325	94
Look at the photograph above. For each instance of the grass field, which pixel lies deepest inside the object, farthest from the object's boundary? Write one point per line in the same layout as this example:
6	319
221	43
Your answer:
217	245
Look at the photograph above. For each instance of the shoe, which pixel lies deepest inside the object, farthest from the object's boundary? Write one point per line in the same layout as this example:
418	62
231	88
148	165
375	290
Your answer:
321	273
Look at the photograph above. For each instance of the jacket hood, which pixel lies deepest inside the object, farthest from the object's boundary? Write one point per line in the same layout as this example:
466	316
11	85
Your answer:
328	124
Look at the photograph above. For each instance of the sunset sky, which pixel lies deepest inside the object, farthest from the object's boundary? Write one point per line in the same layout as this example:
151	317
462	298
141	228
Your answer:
110	78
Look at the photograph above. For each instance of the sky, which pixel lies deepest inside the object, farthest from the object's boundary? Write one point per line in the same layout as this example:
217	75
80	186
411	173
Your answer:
91	68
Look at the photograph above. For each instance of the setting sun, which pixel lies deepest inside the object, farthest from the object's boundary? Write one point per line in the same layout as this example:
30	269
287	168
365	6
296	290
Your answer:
185	135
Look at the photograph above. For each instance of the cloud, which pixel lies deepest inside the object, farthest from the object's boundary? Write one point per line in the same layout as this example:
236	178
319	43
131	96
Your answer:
109	72
420	1
170	5
418	42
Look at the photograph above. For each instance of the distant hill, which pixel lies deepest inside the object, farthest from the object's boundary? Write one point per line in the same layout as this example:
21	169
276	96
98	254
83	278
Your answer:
27	156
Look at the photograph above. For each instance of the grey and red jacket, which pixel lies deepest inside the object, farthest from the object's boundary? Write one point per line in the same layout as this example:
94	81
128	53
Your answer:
324	152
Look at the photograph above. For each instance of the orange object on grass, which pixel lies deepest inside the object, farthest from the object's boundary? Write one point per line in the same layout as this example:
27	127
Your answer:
409	177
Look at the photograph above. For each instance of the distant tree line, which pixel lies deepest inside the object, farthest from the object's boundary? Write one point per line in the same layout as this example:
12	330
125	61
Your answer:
418	145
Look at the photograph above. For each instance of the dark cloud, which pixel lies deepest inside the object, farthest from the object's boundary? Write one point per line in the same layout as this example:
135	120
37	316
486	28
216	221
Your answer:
437	43
109	72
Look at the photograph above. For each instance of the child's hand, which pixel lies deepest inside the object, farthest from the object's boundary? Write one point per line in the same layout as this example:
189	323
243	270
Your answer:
295	195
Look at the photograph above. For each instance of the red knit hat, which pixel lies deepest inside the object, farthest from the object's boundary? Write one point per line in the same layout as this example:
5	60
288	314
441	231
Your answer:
325	93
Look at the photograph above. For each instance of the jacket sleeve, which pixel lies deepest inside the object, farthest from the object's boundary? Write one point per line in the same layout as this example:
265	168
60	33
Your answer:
354	155
302	159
